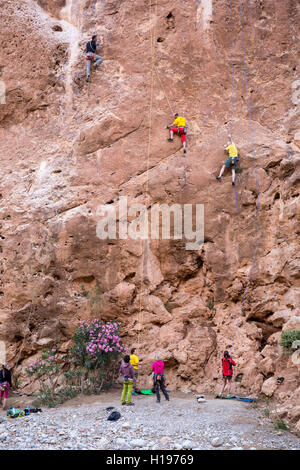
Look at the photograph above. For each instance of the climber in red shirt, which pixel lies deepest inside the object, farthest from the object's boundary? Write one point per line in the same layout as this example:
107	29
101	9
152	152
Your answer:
227	371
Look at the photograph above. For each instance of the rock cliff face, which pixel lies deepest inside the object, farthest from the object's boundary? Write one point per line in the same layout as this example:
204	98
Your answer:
68	146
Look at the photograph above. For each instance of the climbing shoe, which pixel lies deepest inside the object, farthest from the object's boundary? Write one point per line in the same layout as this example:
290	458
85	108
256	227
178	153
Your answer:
124	403
233	183
170	140
88	78
218	178
130	404
184	151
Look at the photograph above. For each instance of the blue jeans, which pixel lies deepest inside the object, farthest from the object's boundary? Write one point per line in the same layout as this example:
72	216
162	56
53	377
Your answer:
98	60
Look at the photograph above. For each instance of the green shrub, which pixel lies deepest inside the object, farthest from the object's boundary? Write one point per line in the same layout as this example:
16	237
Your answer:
46	370
84	293
287	339
210	305
280	424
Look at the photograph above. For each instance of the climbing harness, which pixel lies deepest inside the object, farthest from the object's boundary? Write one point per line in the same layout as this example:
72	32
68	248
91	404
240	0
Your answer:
254	156
90	56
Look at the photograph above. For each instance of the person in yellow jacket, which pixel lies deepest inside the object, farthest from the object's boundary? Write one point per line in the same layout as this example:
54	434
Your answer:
231	161
180	128
134	360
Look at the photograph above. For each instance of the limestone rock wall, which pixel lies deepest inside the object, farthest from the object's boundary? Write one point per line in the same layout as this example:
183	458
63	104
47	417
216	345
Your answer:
67	147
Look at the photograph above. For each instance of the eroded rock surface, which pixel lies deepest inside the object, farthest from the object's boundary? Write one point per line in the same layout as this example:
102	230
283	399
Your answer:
67	147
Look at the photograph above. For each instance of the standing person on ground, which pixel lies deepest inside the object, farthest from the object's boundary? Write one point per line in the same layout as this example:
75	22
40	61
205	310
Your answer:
5	384
91	55
227	371
231	161
127	371
178	127
134	361
159	378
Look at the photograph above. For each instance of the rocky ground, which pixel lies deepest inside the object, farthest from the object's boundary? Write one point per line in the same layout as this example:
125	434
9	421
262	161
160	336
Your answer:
68	148
182	423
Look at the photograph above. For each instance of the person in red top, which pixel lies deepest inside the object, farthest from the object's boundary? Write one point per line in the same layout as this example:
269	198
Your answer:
227	371
159	378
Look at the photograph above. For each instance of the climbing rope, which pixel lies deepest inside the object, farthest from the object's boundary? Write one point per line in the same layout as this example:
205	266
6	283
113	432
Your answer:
32	309
232	99
152	51
254	159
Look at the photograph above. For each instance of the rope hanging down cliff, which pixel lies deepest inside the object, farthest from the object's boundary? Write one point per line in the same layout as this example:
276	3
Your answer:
253	152
152	49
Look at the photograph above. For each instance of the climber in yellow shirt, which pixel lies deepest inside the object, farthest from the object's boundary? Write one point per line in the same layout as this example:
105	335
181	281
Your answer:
179	127
134	360
231	161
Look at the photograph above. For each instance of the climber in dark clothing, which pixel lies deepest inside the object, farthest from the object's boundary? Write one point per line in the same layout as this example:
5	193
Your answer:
91	55
5	384
159	378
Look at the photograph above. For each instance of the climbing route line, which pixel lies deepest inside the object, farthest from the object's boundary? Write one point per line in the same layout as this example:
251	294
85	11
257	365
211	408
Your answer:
163	90
232	97
253	152
31	310
152	51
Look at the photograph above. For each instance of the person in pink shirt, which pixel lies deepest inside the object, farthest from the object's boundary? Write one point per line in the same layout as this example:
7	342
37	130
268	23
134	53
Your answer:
159	378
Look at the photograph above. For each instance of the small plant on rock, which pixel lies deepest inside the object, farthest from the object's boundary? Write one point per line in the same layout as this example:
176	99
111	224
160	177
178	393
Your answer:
280	424
84	293
287	339
210	305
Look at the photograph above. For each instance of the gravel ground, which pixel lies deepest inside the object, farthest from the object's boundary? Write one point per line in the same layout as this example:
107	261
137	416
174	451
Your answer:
181	423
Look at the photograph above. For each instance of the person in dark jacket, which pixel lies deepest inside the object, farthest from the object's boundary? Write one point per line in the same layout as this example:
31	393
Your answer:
91	55
5	384
127	371
159	378
227	372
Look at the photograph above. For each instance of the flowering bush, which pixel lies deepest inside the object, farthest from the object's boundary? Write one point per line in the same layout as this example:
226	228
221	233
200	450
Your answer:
96	349
94	341
46	370
89	366
47	365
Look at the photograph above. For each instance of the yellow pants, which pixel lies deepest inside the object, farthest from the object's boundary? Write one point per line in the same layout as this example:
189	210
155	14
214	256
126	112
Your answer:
127	388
